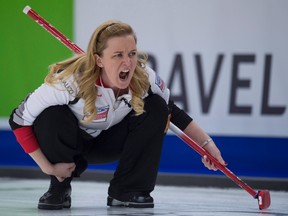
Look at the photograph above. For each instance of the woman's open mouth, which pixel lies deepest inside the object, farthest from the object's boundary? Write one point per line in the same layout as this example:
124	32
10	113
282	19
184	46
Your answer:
124	75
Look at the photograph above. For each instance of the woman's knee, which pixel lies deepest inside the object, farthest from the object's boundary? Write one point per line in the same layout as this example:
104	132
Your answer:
56	124
57	132
157	106
54	117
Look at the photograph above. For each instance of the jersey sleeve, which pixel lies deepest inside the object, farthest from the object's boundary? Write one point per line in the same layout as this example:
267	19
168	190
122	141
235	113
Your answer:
178	116
157	85
23	117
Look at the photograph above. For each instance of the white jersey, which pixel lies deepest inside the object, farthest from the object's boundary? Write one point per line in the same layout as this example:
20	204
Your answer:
110	110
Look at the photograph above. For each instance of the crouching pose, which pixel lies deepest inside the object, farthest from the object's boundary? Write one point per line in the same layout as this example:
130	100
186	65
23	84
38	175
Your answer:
102	106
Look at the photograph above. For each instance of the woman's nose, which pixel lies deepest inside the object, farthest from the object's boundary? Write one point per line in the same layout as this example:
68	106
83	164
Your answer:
127	61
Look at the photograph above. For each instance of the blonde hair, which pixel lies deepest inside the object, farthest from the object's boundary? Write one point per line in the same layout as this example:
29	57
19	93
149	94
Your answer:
86	71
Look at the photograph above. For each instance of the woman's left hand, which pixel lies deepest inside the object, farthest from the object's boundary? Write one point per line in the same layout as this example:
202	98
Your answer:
214	151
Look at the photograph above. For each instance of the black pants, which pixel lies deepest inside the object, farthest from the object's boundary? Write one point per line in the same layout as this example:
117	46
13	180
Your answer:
136	142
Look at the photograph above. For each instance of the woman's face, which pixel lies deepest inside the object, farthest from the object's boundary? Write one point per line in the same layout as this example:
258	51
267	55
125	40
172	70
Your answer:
118	61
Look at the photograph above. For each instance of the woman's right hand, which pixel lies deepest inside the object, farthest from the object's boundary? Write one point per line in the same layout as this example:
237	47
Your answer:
63	170
60	170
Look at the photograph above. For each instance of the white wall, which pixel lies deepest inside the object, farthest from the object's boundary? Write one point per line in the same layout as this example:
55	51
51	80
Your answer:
254	33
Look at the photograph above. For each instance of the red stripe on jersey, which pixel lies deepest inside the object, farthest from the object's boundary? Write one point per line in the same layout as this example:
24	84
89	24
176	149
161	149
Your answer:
26	138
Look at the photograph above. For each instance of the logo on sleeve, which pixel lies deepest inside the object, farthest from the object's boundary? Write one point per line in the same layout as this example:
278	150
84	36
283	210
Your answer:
160	83
68	87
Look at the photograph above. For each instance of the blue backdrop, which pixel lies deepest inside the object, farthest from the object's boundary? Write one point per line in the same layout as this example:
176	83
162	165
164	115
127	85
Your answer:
246	156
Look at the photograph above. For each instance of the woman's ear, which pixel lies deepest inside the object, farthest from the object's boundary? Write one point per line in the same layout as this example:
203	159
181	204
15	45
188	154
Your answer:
98	61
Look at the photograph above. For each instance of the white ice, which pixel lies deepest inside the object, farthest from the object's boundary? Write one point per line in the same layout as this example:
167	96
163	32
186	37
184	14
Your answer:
20	197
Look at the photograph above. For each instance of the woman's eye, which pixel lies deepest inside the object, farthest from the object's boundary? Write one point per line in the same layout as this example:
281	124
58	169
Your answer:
132	54
118	55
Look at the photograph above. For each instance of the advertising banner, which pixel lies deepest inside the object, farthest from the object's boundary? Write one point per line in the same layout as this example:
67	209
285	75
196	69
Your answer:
224	61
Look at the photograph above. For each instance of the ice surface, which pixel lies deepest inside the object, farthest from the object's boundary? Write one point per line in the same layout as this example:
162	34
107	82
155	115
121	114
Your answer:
20	197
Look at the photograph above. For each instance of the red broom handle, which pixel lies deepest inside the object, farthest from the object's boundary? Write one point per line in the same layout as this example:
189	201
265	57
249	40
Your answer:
203	152
52	30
